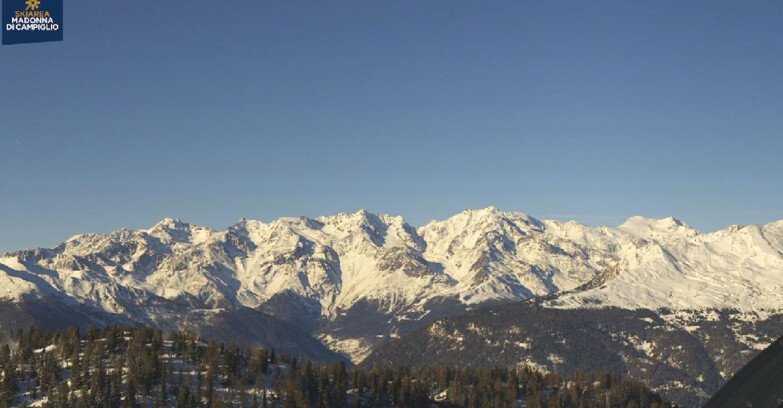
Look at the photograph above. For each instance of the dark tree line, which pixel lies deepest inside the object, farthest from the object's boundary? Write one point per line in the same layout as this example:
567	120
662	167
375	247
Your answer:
131	367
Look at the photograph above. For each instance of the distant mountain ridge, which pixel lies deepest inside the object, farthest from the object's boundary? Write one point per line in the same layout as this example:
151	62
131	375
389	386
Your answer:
358	280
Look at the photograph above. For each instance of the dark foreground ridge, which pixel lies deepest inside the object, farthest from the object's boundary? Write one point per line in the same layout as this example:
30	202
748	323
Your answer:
757	385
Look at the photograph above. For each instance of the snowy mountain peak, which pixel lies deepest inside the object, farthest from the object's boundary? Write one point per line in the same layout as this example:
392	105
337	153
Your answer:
487	213
354	219
171	223
488	217
490	209
656	229
170	230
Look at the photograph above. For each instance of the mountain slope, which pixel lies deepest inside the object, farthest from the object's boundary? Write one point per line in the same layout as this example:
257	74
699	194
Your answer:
759	384
684	356
673	266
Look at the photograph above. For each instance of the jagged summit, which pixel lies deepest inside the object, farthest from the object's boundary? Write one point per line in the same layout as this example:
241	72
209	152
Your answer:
488	217
490	209
172	223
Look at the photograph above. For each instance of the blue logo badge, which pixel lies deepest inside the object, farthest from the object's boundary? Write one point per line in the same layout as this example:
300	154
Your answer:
32	21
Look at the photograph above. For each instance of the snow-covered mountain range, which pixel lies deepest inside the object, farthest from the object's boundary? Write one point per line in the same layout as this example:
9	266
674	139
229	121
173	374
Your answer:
357	280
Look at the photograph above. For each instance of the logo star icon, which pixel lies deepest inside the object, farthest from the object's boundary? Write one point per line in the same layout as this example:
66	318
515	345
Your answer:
32	4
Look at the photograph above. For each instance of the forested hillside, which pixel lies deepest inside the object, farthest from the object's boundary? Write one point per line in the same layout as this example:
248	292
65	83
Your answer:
129	367
683	355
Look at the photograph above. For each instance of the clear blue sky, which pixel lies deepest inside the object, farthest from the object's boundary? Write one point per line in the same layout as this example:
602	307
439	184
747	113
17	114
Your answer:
212	111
